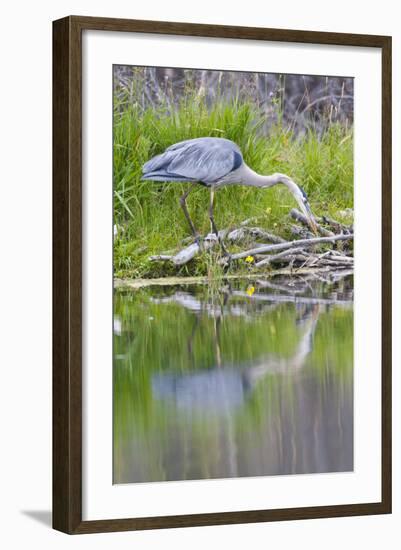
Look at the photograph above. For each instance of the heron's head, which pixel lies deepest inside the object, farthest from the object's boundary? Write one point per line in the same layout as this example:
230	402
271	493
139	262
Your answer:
303	203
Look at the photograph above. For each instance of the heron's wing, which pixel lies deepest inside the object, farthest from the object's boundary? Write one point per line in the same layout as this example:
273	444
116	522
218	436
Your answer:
162	161
205	160
202	159
159	162
205	141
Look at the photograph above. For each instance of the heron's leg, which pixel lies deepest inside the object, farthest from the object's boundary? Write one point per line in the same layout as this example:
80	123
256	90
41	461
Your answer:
183	202
213	223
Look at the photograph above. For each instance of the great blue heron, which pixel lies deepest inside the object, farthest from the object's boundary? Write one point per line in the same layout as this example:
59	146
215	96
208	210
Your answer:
226	387
215	163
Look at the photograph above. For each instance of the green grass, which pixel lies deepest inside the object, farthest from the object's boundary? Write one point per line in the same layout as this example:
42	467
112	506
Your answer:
148	214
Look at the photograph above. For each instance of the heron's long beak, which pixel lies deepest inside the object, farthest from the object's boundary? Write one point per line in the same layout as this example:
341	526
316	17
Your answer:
307	212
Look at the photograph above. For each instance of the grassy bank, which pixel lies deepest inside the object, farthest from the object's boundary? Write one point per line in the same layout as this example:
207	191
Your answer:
148	215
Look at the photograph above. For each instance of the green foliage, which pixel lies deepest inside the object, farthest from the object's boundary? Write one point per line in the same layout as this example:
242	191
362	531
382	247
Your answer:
148	215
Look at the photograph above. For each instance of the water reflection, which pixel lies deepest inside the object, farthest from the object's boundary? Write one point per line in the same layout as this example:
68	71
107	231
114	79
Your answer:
233	380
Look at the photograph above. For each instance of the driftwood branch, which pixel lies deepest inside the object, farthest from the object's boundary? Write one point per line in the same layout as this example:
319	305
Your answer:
291	254
269	249
256	232
335	225
189	252
301	232
301	243
299	217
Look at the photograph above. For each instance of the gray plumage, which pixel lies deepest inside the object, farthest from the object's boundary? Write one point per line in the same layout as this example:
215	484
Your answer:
214	162
204	160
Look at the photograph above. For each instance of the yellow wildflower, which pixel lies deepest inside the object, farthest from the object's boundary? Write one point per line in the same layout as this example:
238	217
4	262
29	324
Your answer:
250	259
250	290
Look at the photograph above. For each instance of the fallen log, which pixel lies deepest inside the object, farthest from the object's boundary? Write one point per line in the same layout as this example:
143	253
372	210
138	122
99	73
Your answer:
189	252
337	226
276	250
301	243
160	258
256	232
299	217
291	254
301	232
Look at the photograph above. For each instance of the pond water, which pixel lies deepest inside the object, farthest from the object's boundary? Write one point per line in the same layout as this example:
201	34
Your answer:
233	379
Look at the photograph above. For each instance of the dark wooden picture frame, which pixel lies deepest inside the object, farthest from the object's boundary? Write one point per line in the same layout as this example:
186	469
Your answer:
67	274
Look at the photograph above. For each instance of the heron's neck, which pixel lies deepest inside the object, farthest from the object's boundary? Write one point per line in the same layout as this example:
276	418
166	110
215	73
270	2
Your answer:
253	179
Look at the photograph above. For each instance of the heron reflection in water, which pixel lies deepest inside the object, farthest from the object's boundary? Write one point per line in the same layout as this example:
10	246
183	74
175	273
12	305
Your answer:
225	388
